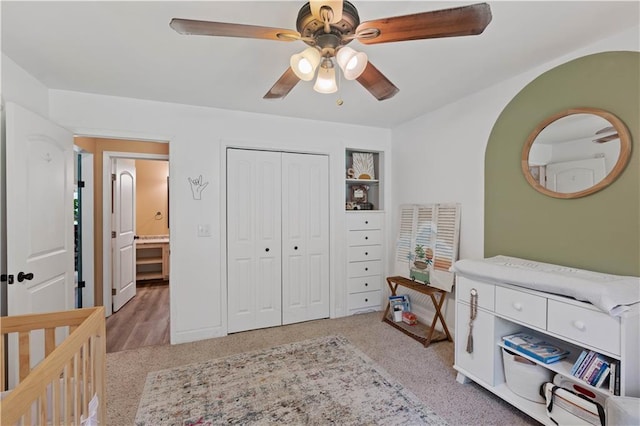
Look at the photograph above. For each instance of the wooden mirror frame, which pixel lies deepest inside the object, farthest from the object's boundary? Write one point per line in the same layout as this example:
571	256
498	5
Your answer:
623	158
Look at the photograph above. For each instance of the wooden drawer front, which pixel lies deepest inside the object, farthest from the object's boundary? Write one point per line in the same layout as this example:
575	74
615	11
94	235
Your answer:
357	254
357	221
360	284
365	238
584	325
369	299
486	292
524	307
364	269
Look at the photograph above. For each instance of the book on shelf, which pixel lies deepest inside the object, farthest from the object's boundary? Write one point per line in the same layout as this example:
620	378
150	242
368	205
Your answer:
401	301
535	347
592	368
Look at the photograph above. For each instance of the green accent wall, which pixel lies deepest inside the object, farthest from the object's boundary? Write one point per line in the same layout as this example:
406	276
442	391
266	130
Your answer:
599	232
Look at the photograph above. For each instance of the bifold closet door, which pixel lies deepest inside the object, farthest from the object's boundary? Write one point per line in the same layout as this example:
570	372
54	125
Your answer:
305	237
254	251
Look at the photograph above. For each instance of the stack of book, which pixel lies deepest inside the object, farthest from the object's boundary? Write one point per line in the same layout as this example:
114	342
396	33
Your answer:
591	367
535	347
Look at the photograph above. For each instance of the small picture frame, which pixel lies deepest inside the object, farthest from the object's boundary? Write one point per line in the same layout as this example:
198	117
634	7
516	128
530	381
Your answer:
359	193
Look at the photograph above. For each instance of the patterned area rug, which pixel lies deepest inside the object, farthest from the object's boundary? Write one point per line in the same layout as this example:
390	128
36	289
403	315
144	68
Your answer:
318	381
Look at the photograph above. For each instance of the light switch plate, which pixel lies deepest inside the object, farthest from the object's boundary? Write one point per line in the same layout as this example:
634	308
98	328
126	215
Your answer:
204	230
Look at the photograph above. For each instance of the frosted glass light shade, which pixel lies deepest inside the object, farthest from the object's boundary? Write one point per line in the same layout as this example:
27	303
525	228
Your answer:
351	62
326	81
304	64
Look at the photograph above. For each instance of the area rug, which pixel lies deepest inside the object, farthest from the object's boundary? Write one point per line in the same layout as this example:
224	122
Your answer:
318	381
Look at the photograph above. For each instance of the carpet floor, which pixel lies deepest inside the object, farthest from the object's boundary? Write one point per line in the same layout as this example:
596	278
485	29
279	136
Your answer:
427	373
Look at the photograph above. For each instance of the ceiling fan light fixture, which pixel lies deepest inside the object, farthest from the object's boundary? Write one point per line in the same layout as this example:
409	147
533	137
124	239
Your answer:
326	81
304	64
352	63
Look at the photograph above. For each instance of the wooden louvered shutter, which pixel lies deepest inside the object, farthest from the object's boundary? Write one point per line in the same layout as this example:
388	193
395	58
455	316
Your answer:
405	241
445	247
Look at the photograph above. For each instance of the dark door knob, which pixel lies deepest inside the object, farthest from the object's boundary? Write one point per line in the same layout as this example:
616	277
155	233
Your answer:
22	276
295	248
267	249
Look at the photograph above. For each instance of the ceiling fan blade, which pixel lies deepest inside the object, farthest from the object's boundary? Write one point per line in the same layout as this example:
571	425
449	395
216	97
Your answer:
283	86
458	21
223	29
376	83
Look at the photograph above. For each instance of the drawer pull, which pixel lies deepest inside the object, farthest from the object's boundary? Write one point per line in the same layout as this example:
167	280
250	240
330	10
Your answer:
366	284
366	238
366	269
580	325
366	253
517	306
366	222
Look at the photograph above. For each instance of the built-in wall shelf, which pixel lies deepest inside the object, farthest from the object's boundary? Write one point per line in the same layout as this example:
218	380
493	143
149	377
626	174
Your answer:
362	180
152	259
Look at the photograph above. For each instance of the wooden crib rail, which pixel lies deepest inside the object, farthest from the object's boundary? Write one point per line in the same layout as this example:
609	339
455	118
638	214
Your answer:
66	379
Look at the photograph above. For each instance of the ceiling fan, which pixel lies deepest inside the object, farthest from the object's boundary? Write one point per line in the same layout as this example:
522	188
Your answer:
327	26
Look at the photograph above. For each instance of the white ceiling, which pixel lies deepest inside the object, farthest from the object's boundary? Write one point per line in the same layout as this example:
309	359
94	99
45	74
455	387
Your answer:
127	49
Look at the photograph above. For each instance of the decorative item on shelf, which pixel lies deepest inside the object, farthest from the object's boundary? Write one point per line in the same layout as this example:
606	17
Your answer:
363	165
419	262
351	174
409	318
359	194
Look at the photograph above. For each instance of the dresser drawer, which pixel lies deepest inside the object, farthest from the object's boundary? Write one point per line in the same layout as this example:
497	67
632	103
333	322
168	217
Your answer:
364	269
369	299
360	253
365	238
523	307
486	292
361	221
584	325
360	284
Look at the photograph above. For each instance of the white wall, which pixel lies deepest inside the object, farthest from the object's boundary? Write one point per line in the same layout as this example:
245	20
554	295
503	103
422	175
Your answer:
197	141
439	156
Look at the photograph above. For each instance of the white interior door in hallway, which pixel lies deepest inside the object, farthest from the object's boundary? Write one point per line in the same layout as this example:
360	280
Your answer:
40	246
277	238
124	230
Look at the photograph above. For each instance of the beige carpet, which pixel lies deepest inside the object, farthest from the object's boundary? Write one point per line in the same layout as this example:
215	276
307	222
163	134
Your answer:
427	372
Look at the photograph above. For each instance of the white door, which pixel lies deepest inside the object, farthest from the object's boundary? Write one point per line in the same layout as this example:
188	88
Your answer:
305	237
123	230
253	239
575	176
40	235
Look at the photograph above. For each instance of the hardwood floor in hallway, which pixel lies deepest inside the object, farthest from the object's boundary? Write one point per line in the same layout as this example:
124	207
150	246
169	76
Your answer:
143	321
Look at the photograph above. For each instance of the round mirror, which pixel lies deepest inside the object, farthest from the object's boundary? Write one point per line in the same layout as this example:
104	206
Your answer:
576	153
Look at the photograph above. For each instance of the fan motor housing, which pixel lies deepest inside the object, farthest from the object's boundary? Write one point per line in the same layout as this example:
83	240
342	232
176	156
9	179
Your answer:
313	33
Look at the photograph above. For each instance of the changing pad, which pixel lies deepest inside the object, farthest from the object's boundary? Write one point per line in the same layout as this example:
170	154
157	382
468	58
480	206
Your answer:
613	294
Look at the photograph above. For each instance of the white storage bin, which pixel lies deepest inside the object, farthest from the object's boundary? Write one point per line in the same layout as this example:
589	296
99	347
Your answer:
524	377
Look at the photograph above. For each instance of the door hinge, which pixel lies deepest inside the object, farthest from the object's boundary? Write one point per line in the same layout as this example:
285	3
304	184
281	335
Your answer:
80	184
113	177
113	292
82	284
113	234
6	278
